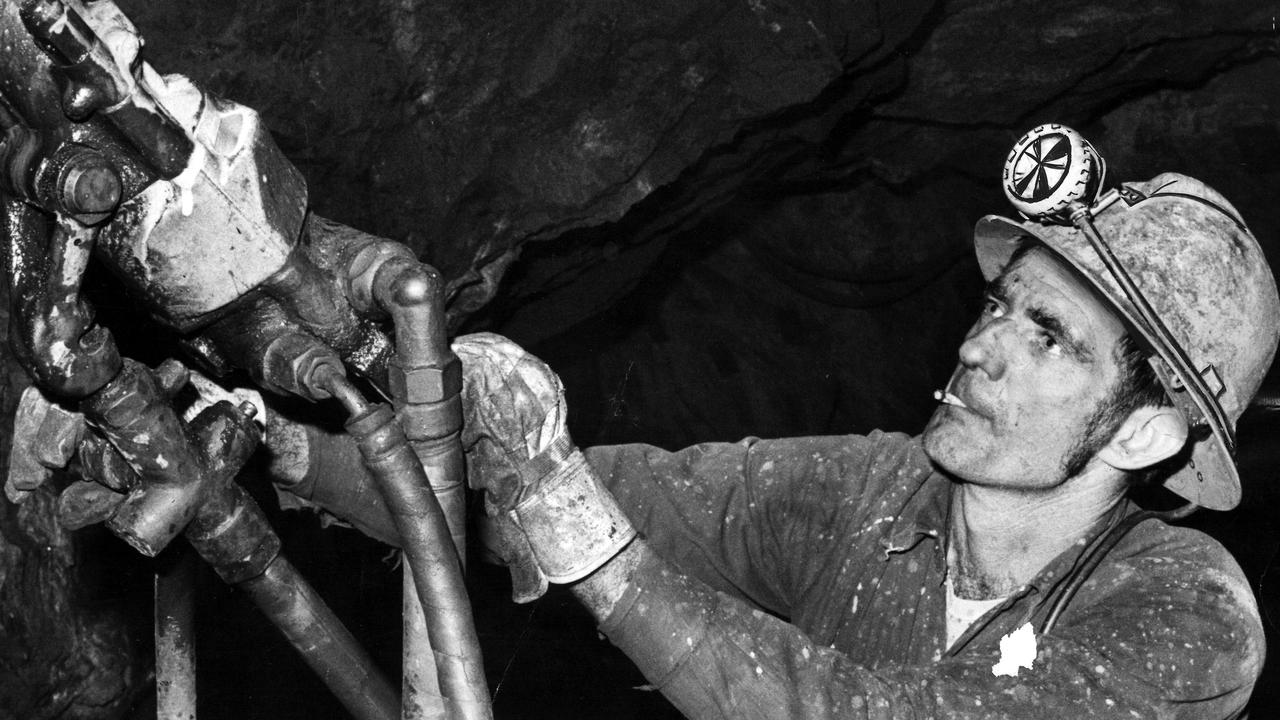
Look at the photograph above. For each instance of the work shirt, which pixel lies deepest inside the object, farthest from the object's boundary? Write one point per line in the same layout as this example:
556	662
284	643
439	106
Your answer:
804	578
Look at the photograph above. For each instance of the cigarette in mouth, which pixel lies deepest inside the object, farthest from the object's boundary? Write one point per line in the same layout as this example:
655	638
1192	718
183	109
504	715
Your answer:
947	398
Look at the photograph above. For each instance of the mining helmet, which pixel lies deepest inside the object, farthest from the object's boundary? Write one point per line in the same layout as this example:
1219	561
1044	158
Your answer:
1182	269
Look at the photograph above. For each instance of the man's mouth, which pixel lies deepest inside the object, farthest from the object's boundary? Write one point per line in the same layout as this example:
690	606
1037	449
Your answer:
948	398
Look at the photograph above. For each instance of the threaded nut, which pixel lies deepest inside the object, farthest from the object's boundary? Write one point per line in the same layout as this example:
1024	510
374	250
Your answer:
416	385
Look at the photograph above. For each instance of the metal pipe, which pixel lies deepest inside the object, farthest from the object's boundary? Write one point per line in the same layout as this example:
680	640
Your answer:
326	645
426	385
427	393
410	295
133	412
420	695
232	534
329	471
430	553
186	473
326	469
175	636
350	398
54	334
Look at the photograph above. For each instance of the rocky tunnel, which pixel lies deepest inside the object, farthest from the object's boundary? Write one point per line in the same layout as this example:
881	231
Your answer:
713	219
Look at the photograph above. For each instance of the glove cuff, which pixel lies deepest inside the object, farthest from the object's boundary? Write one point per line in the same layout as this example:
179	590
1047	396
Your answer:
573	524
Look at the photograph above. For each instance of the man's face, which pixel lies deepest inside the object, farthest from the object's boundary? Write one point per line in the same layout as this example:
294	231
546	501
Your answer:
1033	371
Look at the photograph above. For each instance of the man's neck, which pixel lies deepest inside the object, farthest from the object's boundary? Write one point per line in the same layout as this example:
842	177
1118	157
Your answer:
999	539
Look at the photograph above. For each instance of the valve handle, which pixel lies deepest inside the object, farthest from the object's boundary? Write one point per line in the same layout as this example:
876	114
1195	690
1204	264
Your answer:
1051	169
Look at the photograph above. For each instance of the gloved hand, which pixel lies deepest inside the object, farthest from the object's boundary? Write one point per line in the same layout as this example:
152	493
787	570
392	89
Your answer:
552	520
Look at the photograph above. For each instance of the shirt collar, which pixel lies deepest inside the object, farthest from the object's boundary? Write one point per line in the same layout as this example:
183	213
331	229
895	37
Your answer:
925	512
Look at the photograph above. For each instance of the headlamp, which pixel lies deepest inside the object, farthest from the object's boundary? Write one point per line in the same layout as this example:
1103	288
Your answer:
1054	176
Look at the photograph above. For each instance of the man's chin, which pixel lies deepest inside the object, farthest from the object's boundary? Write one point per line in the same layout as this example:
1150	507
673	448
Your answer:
947	457
945	441
941	422
933	437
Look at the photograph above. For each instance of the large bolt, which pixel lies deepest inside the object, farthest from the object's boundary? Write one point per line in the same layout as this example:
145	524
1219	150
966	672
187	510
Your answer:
363	270
90	184
291	365
172	376
59	434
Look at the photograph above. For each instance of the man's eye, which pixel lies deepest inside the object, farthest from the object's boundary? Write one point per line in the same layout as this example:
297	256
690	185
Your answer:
993	307
1047	341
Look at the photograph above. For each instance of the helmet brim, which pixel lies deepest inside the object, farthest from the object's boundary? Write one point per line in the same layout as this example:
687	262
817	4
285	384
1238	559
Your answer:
1208	477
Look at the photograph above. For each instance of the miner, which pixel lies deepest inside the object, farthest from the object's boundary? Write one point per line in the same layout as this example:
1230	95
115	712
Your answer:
993	566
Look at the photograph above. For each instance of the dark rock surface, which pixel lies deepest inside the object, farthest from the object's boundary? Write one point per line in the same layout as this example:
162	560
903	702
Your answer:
468	128
66	649
714	219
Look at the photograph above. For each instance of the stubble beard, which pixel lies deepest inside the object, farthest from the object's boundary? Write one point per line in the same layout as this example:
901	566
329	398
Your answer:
1098	430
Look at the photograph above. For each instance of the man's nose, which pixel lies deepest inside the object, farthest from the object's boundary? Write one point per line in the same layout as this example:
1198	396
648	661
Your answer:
983	349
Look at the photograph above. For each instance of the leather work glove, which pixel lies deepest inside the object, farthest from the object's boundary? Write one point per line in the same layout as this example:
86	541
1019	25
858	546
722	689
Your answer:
552	520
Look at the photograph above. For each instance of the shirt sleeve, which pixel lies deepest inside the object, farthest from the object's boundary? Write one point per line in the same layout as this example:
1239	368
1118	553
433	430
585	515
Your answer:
744	517
715	657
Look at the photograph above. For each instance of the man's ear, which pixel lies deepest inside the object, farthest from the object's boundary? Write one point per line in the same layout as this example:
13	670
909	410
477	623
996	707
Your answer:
1150	434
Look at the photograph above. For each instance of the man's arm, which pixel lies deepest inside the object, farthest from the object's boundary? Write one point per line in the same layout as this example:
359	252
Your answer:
757	518
601	591
1171	646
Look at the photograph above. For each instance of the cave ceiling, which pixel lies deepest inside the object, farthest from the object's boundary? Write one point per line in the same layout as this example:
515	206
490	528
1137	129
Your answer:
762	194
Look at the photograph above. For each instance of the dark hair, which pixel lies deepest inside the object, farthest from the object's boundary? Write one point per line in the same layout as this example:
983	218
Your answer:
1139	385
